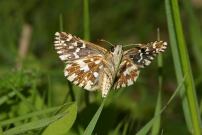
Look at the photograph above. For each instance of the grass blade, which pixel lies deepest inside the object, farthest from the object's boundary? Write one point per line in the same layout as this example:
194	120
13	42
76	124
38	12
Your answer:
37	123
91	125
61	22
125	128
157	122
86	26
116	130
177	38
195	33
177	63
145	130
86	20
24	99
70	88
32	125
1	131
33	114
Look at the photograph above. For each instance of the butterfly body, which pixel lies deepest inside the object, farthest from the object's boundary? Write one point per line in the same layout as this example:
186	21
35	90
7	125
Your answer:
108	75
95	68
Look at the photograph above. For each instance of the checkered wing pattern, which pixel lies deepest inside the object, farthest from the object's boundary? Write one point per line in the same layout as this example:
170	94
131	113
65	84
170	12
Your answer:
84	60
85	72
127	74
71	48
143	54
136	58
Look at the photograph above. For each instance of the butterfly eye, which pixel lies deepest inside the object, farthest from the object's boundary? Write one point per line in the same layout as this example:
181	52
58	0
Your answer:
112	49
79	44
142	49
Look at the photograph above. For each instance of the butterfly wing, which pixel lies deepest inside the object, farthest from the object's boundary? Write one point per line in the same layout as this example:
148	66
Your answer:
127	74
85	72
71	48
143	54
136	58
84	60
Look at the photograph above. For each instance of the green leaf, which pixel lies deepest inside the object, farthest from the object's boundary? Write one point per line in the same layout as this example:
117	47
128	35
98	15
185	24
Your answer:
62	125
91	125
32	125
40	113
37	124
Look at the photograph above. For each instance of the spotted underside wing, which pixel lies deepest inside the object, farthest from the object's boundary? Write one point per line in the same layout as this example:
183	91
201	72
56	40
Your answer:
94	68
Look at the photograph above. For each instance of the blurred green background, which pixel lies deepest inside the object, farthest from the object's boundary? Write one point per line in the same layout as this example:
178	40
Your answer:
30	65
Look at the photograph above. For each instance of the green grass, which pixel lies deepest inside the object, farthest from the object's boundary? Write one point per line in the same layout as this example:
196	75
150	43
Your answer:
86	20
63	119
70	88
92	124
38	100
145	130
86	32
89	129
182	66
195	33
157	123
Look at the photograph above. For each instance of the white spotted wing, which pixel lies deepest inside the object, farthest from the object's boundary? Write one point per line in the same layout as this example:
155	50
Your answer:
84	60
134	59
71	48
85	72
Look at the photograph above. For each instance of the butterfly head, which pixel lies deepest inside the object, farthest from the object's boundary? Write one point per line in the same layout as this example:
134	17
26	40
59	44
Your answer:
116	50
117	53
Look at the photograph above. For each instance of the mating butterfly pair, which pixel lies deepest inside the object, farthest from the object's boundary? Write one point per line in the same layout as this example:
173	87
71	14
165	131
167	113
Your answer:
95	68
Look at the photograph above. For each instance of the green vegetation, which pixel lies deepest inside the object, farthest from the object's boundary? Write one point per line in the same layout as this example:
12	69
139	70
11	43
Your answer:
36	99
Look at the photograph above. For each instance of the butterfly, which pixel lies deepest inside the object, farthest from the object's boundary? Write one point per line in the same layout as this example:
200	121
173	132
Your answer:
95	68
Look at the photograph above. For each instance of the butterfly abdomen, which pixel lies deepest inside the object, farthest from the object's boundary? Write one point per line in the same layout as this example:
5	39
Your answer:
105	82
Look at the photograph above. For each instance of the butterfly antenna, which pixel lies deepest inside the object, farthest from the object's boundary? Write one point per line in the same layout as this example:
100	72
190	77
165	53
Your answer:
107	42
131	45
158	34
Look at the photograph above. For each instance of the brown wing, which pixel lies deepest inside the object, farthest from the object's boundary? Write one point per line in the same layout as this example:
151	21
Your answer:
127	74
72	48
84	60
85	72
136	58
